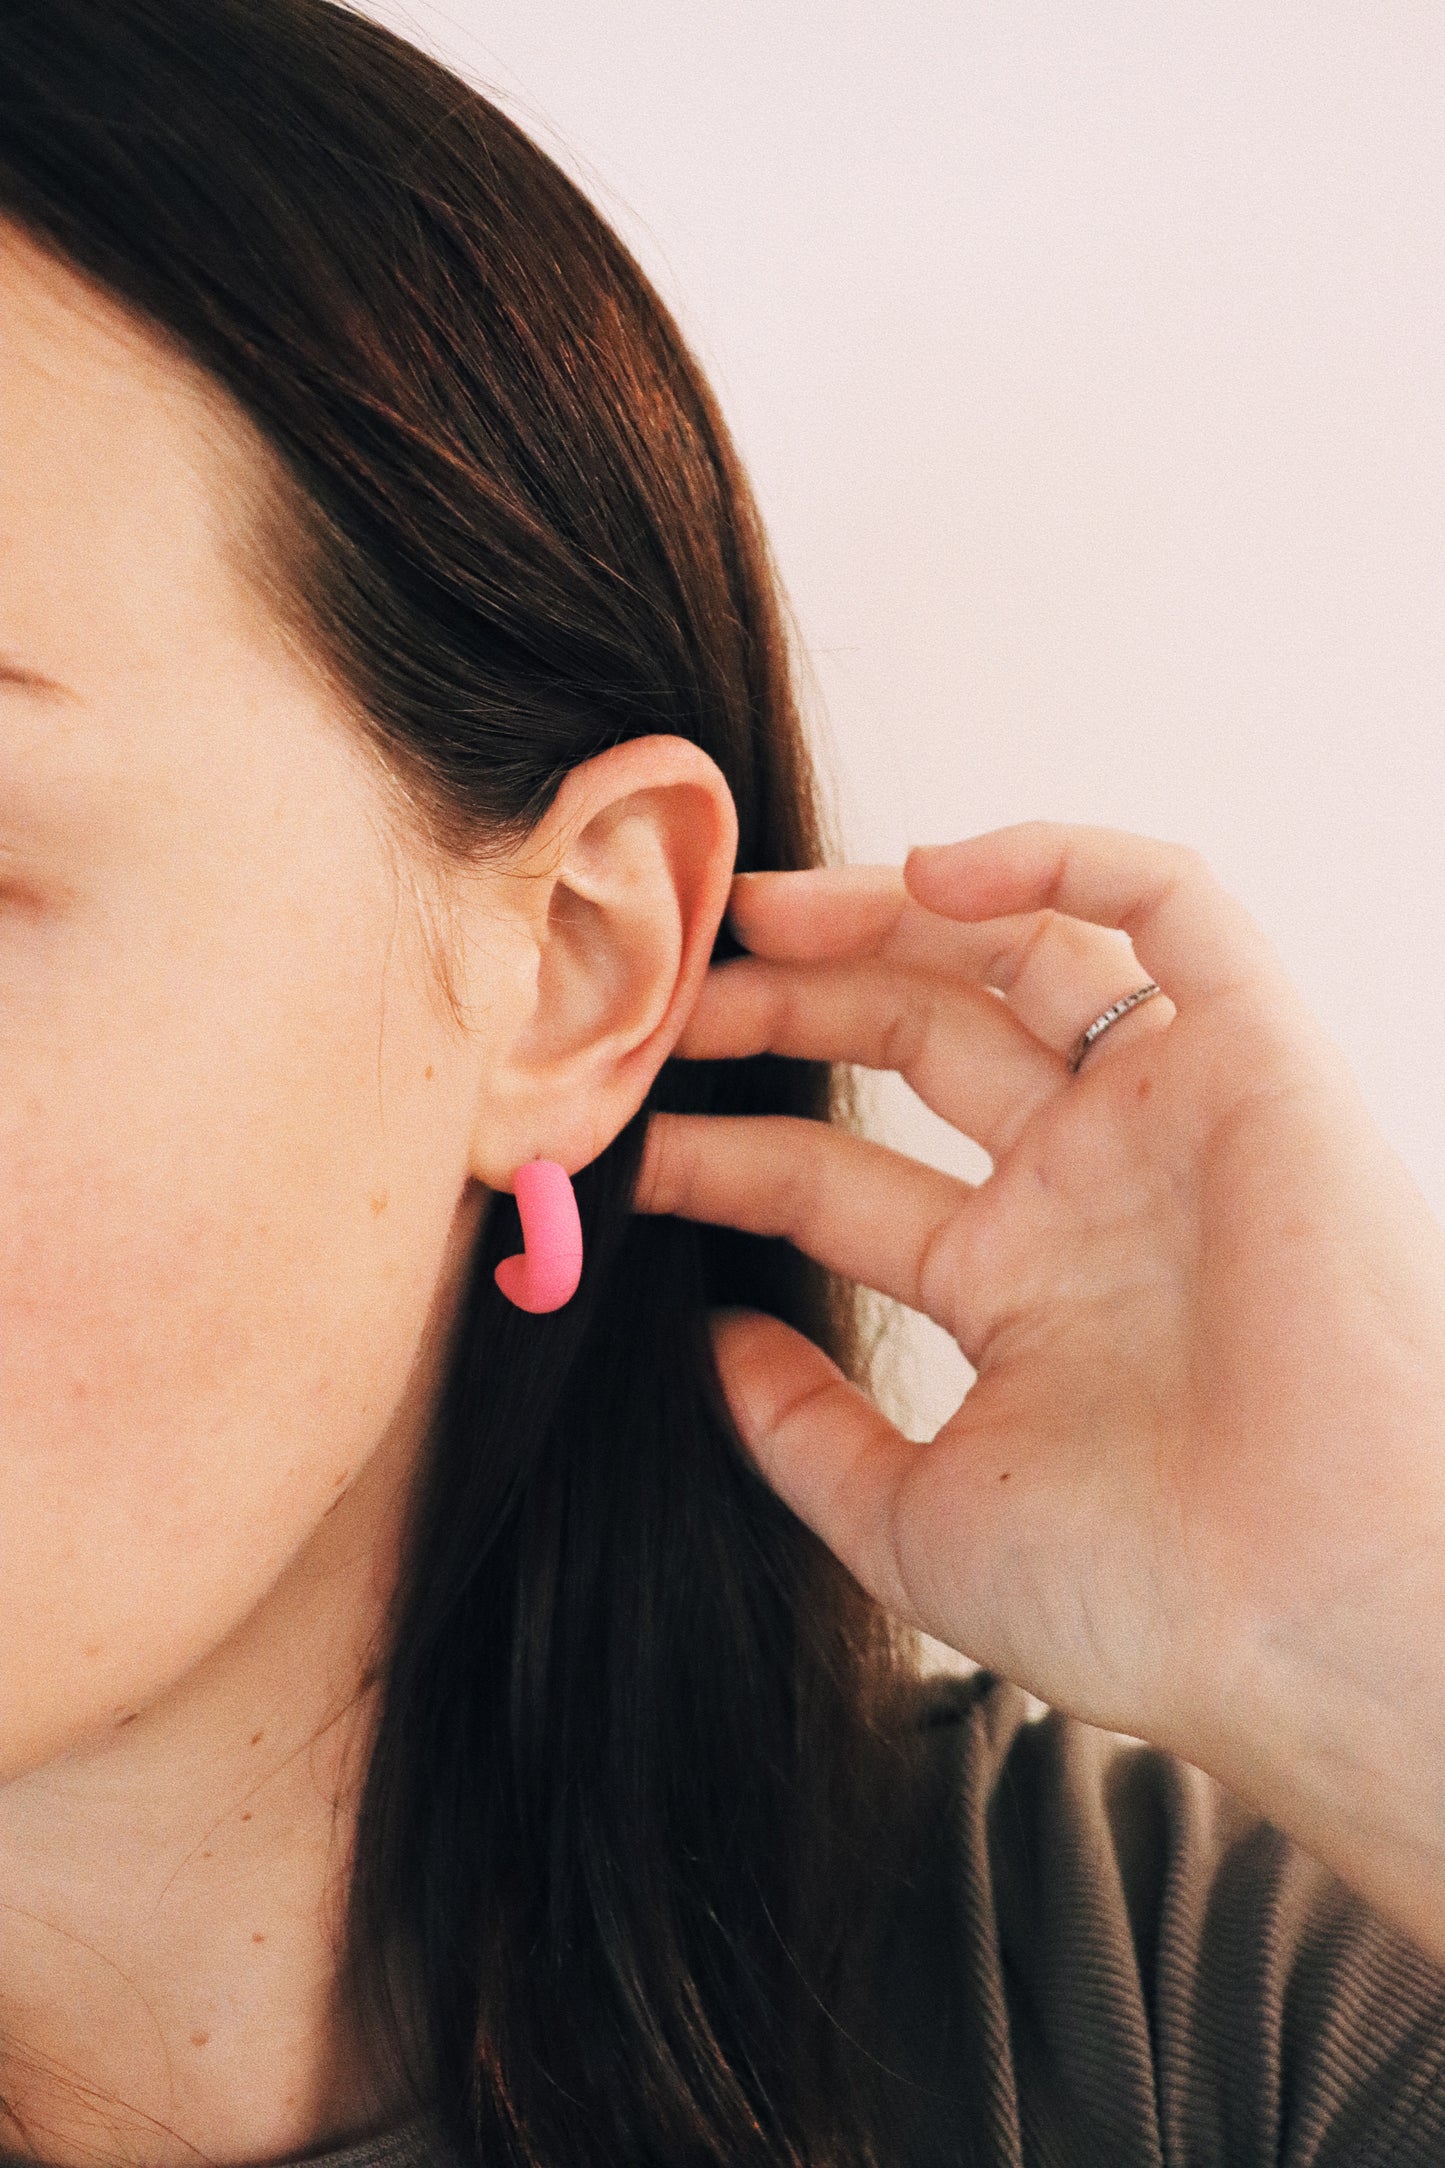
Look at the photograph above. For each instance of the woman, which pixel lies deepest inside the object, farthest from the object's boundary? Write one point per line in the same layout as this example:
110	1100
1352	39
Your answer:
433	1729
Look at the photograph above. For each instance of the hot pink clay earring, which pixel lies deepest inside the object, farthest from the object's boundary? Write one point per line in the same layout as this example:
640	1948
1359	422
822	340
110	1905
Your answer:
546	1273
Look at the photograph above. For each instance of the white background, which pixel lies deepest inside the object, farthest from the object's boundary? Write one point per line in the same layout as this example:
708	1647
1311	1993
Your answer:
1088	364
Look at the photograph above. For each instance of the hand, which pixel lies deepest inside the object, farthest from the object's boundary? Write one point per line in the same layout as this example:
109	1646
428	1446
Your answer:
1205	1446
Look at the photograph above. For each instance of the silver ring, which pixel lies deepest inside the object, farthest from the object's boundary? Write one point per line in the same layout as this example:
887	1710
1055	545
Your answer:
1101	1023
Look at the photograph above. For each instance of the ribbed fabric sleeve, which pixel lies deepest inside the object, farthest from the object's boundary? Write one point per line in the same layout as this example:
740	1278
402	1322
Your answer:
1100	1956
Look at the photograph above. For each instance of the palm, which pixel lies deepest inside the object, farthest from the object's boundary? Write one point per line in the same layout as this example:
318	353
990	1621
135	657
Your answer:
1184	1263
1080	1290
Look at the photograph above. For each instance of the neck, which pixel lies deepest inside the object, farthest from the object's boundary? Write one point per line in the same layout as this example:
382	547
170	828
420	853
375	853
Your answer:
171	1894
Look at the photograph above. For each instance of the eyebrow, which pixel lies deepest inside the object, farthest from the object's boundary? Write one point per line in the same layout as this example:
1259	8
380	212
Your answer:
13	673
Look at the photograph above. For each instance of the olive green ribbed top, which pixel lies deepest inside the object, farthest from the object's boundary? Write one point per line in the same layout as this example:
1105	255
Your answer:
1100	1957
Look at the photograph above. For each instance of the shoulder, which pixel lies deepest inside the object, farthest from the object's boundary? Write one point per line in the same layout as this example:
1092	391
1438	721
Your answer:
1095	1946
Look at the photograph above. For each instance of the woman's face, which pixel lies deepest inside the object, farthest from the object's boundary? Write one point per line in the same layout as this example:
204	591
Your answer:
234	1113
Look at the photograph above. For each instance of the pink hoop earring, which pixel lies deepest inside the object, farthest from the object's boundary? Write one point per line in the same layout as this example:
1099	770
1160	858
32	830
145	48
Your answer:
546	1272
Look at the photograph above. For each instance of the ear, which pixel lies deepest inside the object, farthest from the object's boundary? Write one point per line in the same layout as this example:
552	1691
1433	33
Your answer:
616	898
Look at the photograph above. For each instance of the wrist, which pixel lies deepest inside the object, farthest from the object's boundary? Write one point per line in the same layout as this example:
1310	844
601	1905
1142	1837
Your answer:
1338	1739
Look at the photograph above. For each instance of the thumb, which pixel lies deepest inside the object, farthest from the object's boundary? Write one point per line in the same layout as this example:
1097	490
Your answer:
821	1444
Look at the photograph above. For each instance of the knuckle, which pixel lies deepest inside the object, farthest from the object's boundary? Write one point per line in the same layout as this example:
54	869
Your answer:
934	1275
1047	926
1177	867
906	1027
658	1187
788	1208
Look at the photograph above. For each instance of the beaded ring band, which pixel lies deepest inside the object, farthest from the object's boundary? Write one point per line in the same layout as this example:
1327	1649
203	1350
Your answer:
1101	1024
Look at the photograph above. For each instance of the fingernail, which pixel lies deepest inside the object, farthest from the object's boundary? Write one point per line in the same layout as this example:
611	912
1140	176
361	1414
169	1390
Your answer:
926	855
936	850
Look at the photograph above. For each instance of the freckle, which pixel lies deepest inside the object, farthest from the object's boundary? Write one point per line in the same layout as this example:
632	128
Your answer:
378	1204
198	2040
258	1938
208	1855
257	1737
1005	1476
428	1072
1145	1086
246	1817
92	1648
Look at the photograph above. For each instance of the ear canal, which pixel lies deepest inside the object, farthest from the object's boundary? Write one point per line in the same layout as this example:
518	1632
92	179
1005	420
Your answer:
546	1273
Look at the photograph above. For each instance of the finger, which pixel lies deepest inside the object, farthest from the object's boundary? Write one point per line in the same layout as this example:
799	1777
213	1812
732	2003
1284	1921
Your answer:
1058	972
817	915
878	1217
821	1444
819	912
1191	936
960	1047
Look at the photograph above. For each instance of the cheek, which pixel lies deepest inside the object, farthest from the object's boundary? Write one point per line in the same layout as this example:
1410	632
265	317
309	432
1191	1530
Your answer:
210	1300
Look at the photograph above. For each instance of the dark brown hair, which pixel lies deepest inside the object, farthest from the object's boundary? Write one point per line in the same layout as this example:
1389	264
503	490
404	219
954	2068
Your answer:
642	1741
